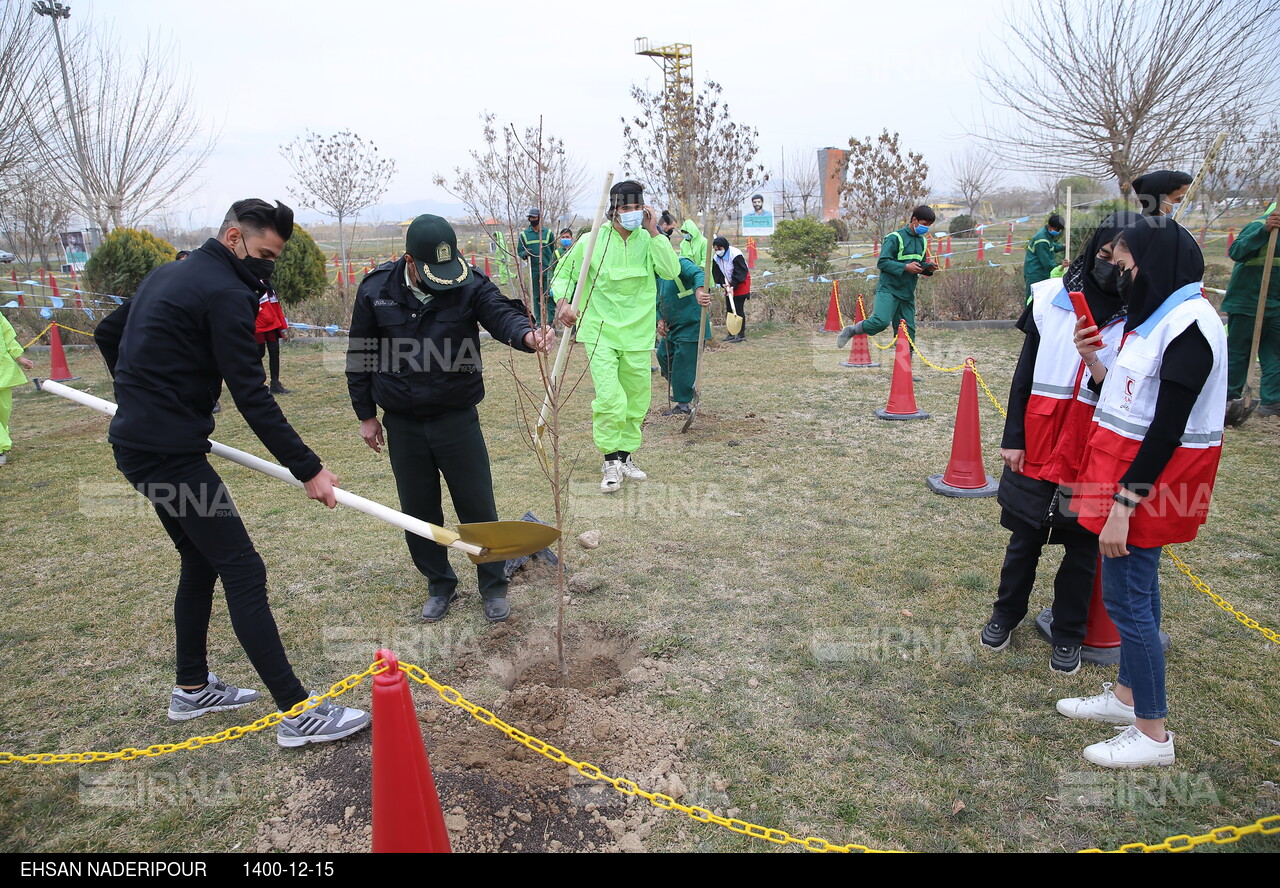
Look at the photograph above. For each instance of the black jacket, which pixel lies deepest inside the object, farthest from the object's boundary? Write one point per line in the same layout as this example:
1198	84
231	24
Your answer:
170	348
424	360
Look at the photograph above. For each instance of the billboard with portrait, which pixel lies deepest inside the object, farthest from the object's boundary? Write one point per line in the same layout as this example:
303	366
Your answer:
757	215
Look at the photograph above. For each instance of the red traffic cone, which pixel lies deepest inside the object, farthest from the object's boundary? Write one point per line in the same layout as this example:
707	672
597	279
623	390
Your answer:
875	247
859	354
406	807
834	322
982	243
58	369
1008	243
486	267
965	475
1102	639
13	276
752	252
42	277
948	265
902	392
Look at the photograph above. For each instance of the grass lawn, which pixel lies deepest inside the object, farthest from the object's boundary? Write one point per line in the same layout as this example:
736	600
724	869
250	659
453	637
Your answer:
814	607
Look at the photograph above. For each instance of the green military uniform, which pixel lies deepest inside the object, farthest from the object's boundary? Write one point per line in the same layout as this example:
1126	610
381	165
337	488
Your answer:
1041	258
616	322
678	350
1249	251
695	248
539	247
895	297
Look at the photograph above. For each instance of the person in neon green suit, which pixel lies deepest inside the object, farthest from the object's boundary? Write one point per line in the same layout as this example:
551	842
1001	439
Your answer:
10	376
693	244
616	322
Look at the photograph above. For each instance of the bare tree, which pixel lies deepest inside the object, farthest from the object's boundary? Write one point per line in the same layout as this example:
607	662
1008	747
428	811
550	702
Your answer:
723	168
973	174
1244	172
142	135
881	186
33	212
1112	88
514	172
340	176
22	63
799	183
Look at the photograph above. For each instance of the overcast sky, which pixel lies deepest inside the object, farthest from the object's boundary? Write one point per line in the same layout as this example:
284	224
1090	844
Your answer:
413	77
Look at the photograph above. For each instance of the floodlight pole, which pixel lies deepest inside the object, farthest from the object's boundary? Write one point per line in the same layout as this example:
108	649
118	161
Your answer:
55	11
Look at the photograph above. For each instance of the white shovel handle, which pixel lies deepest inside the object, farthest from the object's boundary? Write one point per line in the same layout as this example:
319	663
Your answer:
398	519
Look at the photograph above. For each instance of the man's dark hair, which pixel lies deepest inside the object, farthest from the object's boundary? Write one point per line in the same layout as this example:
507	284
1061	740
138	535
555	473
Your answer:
568	231
757	197
924	213
257	216
1055	221
182	254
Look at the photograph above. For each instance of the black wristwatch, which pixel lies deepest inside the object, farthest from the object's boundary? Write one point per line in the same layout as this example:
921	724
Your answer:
1124	500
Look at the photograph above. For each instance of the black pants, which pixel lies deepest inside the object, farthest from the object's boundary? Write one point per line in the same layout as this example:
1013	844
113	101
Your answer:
271	348
450	445
199	516
1072	588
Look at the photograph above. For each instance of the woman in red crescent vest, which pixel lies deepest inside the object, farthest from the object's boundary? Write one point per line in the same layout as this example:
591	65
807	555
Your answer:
1149	469
1049	417
270	328
729	269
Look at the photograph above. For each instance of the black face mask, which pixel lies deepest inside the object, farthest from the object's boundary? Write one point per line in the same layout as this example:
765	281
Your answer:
1124	283
259	268
1105	275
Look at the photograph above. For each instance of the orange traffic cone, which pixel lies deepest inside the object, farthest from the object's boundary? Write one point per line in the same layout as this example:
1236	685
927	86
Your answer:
859	354
1008	243
486	266
982	243
948	257
902	393
752	252
834	323
965	475
58	369
406	807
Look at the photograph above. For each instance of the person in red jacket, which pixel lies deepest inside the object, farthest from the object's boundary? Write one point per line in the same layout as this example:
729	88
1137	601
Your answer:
269	329
1149	468
729	270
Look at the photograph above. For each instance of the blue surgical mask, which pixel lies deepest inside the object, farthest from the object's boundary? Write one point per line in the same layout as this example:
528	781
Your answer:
1054	233
922	229
631	220
687	236
565	241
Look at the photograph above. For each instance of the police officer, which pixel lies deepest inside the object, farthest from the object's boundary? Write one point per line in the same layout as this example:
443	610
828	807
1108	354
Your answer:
415	352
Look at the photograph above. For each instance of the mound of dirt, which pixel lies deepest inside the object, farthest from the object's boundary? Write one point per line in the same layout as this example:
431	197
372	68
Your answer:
498	795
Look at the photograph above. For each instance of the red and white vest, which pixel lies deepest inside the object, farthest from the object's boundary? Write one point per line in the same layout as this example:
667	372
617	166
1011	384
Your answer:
725	264
1179	503
1058	414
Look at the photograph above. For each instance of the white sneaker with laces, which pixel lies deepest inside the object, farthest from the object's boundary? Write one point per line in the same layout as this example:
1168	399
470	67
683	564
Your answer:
1131	749
612	476
632	471
1104	707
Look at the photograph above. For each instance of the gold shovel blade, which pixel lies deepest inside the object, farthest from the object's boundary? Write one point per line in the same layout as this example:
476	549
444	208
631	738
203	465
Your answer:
733	323
505	540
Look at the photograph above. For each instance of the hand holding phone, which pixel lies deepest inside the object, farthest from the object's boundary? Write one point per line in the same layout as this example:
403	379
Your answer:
1082	308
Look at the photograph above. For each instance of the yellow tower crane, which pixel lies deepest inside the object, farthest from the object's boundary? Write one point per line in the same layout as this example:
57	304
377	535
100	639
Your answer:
676	61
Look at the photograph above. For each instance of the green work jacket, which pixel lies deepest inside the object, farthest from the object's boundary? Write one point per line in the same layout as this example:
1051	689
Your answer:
897	250
1249	251
677	305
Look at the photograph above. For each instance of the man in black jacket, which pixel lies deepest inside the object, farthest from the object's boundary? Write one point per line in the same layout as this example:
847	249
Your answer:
188	330
415	352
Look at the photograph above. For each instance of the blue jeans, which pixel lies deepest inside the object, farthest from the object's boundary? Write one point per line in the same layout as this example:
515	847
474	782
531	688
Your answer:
1131	592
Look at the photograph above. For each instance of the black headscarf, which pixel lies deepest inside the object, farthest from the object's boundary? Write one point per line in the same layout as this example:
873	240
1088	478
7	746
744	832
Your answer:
1150	187
1079	275
1168	258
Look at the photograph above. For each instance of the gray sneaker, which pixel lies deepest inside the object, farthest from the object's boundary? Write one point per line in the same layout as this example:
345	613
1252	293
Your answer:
328	721
1065	659
217	696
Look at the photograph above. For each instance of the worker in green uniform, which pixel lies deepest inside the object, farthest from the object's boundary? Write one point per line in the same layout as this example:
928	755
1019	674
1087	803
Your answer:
616	322
538	246
693	244
1249	252
902	260
1042	253
678	318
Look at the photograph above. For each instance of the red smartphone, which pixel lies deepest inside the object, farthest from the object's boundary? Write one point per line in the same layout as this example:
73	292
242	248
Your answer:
1082	308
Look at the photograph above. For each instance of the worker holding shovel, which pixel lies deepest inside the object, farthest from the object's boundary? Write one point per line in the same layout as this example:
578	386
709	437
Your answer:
1249	313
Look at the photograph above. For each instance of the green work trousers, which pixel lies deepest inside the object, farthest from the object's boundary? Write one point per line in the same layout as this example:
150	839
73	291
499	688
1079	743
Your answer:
422	449
623	392
887	311
679	364
1239	343
6	410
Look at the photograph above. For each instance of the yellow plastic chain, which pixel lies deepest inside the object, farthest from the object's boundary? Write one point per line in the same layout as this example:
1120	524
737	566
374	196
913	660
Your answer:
50	327
1218	599
1223	835
37	339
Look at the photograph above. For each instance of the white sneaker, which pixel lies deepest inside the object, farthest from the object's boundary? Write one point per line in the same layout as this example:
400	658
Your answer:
612	476
1131	749
4	458
632	471
1104	707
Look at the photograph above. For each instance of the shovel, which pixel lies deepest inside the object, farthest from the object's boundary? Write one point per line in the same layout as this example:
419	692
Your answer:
1240	409
483	542
733	320
702	330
